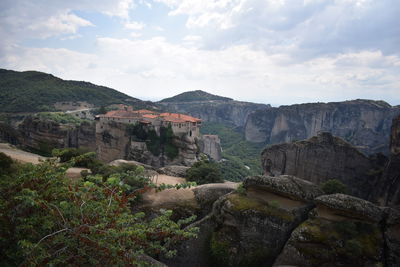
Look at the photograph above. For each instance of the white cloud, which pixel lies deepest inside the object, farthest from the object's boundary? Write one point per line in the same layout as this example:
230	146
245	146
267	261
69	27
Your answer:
65	23
136	34
158	68
134	25
121	9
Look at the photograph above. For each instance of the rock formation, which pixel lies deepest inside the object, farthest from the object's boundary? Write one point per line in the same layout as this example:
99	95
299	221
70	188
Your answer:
321	158
389	184
211	145
341	231
114	142
363	123
44	135
252	227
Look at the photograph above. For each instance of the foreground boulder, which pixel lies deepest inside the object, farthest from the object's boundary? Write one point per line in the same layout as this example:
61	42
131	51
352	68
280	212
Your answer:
341	231
254	224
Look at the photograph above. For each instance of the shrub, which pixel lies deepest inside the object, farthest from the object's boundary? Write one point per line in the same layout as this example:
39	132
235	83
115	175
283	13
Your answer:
66	154
334	186
5	162
47	220
204	172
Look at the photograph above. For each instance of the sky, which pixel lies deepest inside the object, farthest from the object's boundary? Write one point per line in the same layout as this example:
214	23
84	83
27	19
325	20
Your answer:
266	51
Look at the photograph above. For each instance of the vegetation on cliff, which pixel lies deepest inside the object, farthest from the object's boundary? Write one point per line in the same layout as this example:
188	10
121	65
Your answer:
197	95
156	144
32	91
61	117
47	219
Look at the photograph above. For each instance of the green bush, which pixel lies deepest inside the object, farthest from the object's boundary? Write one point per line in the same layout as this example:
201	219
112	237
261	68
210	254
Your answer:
204	172
5	162
66	154
61	117
334	186
49	220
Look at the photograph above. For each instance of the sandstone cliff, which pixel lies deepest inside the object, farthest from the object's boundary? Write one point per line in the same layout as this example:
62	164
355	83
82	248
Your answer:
287	221
44	135
363	123
211	145
341	231
388	187
113	141
321	158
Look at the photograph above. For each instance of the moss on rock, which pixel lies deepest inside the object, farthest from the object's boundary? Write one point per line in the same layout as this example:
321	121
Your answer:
241	202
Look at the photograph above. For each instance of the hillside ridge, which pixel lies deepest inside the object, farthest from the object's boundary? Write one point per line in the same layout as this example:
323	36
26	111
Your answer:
32	91
192	96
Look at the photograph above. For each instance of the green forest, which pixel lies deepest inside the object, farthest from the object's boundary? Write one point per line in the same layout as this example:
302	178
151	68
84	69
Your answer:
33	91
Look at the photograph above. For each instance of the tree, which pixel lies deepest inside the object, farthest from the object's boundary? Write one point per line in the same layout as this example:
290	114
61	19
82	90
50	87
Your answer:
46	219
334	186
5	162
204	172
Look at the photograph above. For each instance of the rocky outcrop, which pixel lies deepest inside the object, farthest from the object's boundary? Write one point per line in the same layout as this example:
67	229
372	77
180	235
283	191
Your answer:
363	123
395	136
114	142
211	145
44	135
388	187
341	231
321	158
174	170
392	237
253	226
222	111
287	221
9	134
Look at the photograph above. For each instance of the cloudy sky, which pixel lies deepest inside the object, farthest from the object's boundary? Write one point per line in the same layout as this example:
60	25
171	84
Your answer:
268	51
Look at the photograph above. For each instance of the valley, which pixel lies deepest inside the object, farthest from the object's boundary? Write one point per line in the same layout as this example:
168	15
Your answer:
257	185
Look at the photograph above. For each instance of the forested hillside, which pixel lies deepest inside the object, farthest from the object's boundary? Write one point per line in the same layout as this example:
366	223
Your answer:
32	91
241	158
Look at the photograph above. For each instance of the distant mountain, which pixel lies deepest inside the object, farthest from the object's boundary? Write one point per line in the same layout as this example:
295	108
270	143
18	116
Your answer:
211	108
32	91
193	96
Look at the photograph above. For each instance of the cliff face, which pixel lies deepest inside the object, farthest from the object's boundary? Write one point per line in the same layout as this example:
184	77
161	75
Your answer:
222	111
389	185
211	145
45	135
319	159
113	142
363	123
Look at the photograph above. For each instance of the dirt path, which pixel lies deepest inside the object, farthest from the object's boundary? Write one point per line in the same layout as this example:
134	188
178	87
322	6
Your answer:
19	155
27	157
166	179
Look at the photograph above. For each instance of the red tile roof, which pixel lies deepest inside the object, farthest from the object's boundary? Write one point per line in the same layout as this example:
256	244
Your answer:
178	118
143	113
